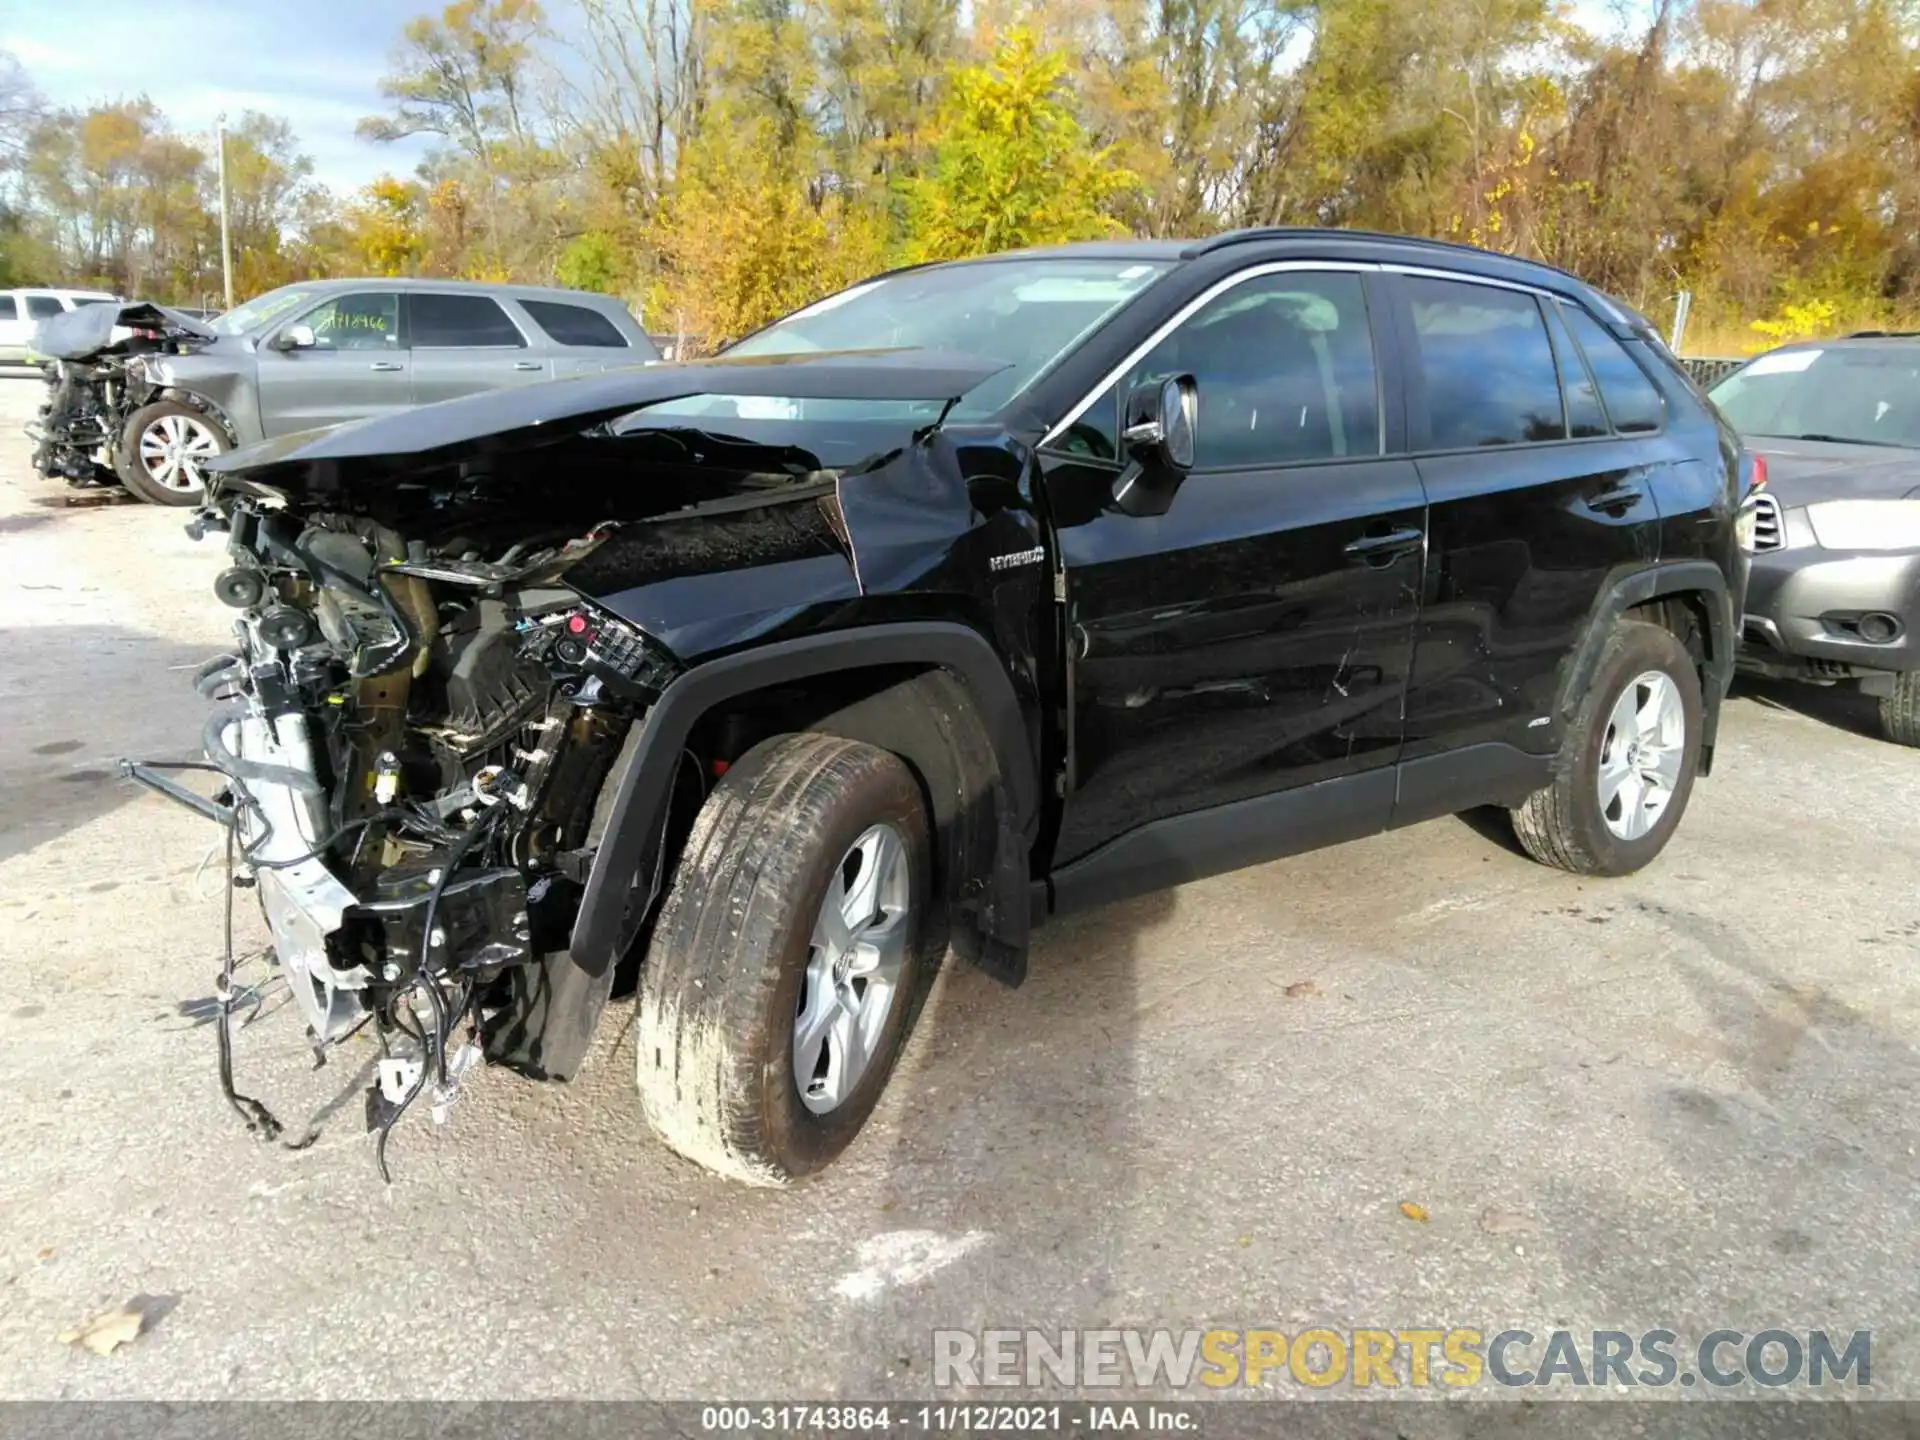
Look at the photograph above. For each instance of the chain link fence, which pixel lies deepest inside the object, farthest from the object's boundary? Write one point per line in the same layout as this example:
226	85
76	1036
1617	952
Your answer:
1708	371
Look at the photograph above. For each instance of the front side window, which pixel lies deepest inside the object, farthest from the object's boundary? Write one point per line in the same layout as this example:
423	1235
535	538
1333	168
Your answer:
1025	313
366	321
9	308
44	307
460	322
1285	371
1487	363
1632	403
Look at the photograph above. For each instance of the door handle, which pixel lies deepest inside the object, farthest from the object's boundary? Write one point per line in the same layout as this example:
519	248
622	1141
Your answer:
1616	497
385	365
1380	549
528	365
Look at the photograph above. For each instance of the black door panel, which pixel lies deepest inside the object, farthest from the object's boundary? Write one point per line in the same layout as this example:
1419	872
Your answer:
1528	521
1233	646
1518	553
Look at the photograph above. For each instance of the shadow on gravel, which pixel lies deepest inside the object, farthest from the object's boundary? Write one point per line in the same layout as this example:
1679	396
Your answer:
1020	1146
1840	706
63	735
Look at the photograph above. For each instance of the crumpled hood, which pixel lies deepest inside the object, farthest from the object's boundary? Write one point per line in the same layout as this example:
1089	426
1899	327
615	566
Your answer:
533	415
88	330
1801	472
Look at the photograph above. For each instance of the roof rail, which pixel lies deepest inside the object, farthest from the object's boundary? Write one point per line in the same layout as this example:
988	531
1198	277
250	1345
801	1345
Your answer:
1322	232
1880	335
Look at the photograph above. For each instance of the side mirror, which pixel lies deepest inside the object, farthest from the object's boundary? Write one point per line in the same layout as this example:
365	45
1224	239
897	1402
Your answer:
1158	439
296	337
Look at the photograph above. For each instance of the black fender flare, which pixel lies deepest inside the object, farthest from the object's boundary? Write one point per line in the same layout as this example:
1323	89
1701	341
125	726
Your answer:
579	980
1668	578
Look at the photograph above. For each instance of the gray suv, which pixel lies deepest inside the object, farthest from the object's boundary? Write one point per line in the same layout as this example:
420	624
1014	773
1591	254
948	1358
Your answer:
318	353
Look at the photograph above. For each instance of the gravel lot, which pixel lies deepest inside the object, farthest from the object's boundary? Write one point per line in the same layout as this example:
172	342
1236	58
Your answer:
1688	1098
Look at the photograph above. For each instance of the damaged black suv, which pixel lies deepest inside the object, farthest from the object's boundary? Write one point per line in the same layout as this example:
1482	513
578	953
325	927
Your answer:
971	595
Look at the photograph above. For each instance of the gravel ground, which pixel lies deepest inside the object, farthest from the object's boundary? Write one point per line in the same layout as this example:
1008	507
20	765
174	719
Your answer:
1681	1100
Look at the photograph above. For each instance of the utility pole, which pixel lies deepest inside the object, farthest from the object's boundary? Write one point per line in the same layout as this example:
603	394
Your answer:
226	244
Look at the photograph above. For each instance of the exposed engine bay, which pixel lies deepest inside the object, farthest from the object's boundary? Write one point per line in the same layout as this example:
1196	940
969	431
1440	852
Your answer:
450	637
415	737
96	380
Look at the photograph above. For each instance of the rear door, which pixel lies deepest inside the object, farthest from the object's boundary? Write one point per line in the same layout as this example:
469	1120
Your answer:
464	343
357	365
1255	639
1536	506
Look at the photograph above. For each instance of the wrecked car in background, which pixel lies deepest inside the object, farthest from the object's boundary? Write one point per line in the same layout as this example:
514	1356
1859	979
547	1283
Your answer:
971	595
156	396
97	387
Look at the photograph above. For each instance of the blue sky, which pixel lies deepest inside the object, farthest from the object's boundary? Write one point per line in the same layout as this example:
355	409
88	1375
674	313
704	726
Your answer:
316	63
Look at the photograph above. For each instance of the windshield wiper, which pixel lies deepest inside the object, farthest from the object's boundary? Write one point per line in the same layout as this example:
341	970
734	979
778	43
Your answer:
1825	438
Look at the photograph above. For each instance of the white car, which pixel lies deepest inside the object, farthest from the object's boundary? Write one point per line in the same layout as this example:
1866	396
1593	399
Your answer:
22	310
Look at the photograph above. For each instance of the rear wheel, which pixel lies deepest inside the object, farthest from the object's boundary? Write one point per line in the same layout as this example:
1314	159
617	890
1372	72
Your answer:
1623	778
788	961
1900	709
164	451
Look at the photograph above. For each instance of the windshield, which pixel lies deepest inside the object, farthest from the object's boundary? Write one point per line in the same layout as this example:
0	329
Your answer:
1027	313
245	319
1866	394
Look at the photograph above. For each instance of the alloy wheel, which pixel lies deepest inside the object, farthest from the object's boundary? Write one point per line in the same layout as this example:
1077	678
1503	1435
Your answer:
173	450
1640	758
854	968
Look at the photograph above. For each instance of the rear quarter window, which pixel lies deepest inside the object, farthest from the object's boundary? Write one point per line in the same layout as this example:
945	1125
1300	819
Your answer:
1633	405
566	324
9	308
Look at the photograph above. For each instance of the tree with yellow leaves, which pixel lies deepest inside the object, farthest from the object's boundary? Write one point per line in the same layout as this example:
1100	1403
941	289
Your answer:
1012	165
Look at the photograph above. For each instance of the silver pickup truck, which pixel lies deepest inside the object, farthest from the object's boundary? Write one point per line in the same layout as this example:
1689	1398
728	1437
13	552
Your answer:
317	353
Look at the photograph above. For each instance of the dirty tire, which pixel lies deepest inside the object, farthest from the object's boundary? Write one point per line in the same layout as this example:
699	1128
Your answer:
1900	711
133	473
725	966
1562	825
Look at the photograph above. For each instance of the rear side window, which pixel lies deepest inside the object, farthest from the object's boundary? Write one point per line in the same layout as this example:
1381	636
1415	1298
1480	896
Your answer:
9	308
1487	363
574	324
1585	418
44	307
464	321
1632	403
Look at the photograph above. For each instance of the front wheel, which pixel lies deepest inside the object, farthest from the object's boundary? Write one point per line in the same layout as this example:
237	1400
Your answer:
164	451
1623	778
788	961
1900	709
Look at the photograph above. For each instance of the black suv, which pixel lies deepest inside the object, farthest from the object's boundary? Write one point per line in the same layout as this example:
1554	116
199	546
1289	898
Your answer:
971	595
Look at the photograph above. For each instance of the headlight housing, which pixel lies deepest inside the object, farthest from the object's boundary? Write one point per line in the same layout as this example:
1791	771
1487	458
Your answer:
1866	524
